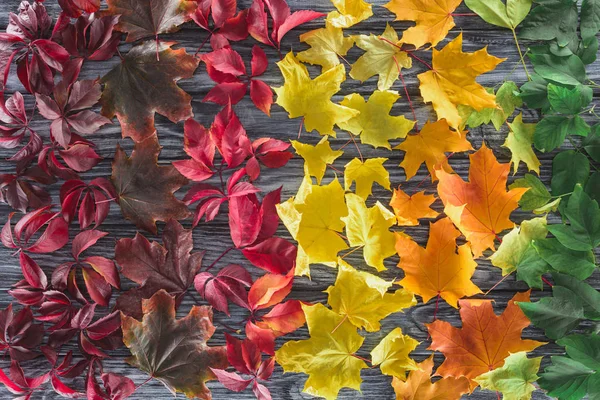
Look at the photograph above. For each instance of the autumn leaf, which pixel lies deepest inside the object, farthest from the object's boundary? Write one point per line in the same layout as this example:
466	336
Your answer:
430	146
327	45
481	207
437	270
374	124
365	174
171	266
370	228
140	85
433	19
349	13
519	142
363	298
316	356
392	354
145	189
409	209
452	81
149	18
514	379
484	340
382	57
317	157
309	98
419	386
174	351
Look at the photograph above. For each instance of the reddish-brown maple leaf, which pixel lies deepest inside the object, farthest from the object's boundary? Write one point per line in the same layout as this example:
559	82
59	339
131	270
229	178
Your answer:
484	340
141	85
171	267
174	351
145	189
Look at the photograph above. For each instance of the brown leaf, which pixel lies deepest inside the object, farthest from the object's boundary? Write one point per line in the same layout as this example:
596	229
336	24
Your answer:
141	85
171	267
174	351
144	189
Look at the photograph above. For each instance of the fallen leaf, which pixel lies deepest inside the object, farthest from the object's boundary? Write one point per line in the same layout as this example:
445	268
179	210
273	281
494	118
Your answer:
392	354
519	141
317	157
349	13
365	173
409	209
514	379
327	45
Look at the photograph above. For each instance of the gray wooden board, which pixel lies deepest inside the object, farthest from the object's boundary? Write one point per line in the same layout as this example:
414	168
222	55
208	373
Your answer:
214	237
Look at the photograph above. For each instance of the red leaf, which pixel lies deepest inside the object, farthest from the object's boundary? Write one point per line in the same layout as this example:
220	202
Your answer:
229	136
74	8
269	290
263	338
84	240
32	272
284	318
261	391
275	255
64	390
225	61
229	285
231	380
261	95
266	369
18	334
245	220
259	61
197	142
226	93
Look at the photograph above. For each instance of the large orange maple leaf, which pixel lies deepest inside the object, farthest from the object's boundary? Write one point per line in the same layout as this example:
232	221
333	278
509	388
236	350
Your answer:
481	207
484	340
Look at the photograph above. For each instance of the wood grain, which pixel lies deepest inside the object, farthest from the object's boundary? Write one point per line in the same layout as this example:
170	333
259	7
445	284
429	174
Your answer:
214	237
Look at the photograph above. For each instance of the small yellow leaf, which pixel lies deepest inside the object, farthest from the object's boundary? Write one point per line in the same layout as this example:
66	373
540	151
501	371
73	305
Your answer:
409	209
519	141
374	124
392	354
349	13
317	157
365	174
326	46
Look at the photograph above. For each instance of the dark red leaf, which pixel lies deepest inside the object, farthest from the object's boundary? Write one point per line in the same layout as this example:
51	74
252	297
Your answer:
19	336
229	285
74	8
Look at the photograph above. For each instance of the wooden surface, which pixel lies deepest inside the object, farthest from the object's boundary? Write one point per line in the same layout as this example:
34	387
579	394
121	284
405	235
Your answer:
214	237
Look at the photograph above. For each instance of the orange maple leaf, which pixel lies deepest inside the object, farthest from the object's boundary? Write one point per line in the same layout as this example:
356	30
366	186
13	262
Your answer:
481	207
437	270
430	146
409	209
484	340
418	386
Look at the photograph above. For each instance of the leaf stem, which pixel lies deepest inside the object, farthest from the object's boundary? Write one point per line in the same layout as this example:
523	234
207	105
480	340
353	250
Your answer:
203	43
362	160
463	15
521	54
547	282
143	383
497	283
219	258
362	358
301	126
410	103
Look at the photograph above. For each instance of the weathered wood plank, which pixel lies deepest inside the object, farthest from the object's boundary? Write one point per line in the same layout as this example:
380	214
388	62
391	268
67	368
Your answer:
215	236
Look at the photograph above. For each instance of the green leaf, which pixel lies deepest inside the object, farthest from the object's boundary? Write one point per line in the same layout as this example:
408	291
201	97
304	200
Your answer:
551	131
590	18
568	169
583	348
537	196
583	213
558	314
589	296
563	70
507	100
552	20
514	379
592	186
588	49
497	13
565	100
591	143
531	268
580	264
535	93
519	141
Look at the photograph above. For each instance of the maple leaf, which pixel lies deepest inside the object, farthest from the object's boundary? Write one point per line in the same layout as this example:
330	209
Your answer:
317	157
362	298
349	13
409	209
514	379
437	270
481	207
365	174
327	45
140	85
374	124
149	18
174	351
171	267
369	227
382	57
452	81
327	358
145	189
519	141
392	354
484	340
309	98
429	146
418	386
433	19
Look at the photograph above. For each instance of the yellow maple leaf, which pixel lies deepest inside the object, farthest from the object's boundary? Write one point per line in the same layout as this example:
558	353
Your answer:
381	58
317	157
392	354
481	207
327	358
369	227
363	298
433	19
374	124
321	222
349	13
326	46
309	98
365	174
437	270
452	81
430	146
519	141
409	209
